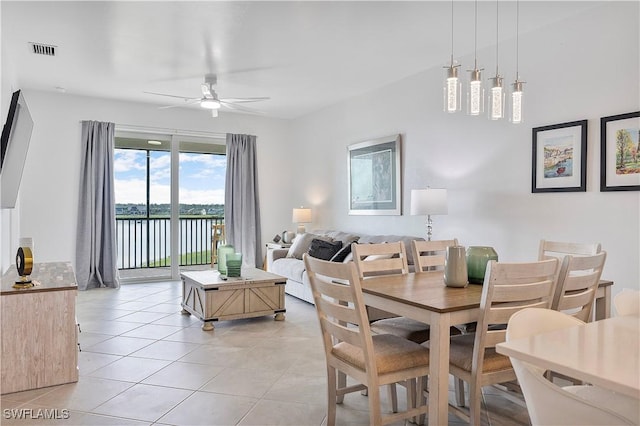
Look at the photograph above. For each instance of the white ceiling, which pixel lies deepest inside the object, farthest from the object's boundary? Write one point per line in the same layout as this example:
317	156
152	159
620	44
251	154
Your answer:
304	55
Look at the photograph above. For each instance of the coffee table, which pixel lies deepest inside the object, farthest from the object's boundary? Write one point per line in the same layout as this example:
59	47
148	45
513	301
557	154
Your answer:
213	297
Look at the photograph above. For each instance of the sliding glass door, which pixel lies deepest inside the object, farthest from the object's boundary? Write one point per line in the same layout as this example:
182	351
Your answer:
169	192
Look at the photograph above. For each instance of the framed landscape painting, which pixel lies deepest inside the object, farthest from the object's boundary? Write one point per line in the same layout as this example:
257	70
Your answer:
374	177
620	152
559	158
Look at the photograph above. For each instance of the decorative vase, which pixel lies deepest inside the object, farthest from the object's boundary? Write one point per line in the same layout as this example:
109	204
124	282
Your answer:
223	251
455	267
477	259
234	264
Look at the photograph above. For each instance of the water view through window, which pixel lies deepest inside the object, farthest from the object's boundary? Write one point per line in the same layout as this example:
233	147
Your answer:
143	205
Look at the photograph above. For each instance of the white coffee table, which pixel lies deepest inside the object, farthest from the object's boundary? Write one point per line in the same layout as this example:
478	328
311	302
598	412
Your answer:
212	297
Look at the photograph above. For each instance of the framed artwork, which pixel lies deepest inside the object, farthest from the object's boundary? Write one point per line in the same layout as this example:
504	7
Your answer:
374	177
620	152
559	158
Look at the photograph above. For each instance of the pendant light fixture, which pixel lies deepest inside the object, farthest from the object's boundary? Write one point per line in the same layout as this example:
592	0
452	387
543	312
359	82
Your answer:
496	94
516	94
475	89
452	90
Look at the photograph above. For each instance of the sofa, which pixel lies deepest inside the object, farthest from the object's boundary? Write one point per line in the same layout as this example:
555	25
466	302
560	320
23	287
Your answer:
288	262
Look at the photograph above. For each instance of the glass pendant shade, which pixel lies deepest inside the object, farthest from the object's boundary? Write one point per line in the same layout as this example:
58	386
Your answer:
452	90
516	103
475	94
496	99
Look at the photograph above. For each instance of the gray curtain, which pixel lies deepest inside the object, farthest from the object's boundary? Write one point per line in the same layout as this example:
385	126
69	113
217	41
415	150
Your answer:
241	207
96	237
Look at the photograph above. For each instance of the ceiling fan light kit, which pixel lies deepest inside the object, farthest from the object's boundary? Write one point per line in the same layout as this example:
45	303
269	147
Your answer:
210	103
475	94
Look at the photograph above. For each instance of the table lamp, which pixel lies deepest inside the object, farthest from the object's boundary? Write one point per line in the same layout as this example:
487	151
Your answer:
301	216
430	201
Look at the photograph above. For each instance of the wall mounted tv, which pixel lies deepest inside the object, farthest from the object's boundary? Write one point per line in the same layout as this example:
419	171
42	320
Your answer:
16	135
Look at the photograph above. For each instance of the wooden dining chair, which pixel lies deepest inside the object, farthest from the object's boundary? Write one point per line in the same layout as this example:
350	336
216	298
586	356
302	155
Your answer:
430	255
507	289
350	347
558	249
577	286
386	259
550	404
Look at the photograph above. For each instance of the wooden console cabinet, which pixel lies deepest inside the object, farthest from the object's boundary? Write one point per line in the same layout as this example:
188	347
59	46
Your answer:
39	334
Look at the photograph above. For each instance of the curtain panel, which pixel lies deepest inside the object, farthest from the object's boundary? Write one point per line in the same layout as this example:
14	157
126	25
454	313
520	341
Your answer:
96	257
242	207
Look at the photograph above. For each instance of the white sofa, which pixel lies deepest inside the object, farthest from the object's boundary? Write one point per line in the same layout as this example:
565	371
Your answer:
293	268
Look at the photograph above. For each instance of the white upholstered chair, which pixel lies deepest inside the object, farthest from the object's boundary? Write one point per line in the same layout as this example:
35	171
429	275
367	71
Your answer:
507	289
350	347
627	302
549	404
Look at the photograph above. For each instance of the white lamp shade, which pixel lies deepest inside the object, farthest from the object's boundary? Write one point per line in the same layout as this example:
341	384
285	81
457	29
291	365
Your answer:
301	215
428	201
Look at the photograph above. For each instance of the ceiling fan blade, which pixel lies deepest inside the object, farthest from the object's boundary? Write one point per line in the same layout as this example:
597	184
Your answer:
172	96
232	106
245	100
186	102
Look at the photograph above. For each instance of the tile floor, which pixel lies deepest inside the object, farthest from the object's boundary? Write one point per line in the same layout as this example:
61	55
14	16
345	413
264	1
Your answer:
143	363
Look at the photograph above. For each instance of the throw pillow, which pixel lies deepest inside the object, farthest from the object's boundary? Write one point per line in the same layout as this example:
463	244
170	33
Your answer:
341	255
301	244
324	250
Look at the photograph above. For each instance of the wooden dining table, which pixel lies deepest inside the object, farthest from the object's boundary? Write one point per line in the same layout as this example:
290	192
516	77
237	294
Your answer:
604	353
424	297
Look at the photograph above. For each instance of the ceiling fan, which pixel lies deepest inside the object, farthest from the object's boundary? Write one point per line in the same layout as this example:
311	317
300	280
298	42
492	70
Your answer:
210	99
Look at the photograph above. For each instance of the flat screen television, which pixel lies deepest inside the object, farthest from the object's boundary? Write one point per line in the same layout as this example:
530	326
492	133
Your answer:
16	135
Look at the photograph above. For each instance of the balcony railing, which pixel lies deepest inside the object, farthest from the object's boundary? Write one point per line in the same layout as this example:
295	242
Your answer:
146	242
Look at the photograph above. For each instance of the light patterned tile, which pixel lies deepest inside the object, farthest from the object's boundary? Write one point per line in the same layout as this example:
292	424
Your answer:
203	408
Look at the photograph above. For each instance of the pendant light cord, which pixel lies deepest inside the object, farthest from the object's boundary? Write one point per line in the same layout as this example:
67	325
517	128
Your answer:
475	38
497	29
451	32
517	39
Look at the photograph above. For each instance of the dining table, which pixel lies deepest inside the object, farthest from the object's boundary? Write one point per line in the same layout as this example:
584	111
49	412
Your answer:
605	353
424	297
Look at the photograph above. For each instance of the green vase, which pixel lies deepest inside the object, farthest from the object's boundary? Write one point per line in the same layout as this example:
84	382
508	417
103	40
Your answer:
223	251
477	259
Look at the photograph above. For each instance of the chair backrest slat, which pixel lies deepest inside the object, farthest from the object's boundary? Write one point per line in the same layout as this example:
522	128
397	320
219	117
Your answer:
430	255
340	333
342	313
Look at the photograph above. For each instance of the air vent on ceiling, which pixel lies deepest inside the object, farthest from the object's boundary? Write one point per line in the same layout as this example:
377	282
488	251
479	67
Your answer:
43	49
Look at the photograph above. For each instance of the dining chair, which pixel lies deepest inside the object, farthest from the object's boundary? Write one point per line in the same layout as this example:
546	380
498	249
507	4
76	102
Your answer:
387	259
430	255
578	284
550	404
558	249
627	302
507	289
351	348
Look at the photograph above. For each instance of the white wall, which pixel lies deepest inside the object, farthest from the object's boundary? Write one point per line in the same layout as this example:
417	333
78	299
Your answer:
49	189
583	69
